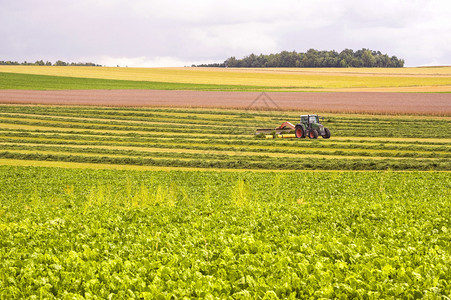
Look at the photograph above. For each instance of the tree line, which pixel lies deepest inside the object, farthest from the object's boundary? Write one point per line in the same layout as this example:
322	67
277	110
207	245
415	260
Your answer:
48	63
347	58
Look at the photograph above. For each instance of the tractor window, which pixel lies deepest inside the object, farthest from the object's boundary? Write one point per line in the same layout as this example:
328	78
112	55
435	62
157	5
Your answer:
313	119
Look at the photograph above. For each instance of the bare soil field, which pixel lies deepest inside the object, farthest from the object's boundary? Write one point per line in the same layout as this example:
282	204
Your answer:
355	102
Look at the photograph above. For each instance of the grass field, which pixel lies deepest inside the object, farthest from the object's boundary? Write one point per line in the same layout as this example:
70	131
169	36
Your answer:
220	139
406	79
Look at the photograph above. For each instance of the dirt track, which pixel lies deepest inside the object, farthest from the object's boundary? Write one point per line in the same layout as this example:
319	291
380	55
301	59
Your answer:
393	103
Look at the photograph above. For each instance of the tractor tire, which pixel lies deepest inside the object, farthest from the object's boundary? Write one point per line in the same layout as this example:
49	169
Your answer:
313	134
299	131
326	133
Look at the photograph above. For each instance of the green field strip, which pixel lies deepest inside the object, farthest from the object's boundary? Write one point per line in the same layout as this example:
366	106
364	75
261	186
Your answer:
19	81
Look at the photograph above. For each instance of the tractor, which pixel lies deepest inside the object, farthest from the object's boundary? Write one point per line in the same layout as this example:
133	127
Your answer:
309	126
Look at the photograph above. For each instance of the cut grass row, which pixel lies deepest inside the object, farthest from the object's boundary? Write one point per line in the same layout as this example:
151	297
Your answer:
274	164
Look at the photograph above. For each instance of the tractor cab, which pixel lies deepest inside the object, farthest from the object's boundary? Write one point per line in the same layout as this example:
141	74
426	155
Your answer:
309	119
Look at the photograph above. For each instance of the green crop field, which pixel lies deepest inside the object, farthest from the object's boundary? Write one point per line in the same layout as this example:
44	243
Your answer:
98	234
166	203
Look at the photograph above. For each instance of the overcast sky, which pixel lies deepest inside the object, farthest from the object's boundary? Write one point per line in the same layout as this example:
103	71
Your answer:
148	33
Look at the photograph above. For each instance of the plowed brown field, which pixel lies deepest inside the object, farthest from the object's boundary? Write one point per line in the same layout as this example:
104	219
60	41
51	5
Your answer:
361	102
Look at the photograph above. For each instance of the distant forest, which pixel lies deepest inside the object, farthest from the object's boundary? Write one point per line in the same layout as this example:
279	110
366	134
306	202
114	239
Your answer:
347	58
47	63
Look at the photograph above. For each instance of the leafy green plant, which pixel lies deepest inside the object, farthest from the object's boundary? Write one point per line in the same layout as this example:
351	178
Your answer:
223	234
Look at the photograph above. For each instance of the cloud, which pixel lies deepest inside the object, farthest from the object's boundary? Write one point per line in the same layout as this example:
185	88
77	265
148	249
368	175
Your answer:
185	32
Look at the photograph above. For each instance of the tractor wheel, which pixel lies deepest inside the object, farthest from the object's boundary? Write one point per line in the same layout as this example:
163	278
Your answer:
327	133
313	134
299	131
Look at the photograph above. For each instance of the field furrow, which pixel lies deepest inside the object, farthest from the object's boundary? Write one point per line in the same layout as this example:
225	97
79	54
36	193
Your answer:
219	139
